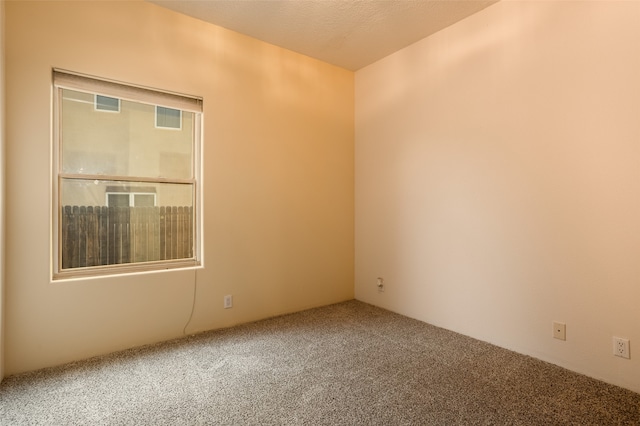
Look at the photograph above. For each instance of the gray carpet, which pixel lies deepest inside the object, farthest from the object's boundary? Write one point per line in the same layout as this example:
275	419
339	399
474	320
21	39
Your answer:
345	364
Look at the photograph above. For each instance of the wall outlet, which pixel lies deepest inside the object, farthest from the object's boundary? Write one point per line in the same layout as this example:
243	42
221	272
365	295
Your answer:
228	301
559	330
621	347
380	285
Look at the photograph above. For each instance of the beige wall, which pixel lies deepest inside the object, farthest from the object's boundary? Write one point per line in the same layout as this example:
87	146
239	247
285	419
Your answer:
277	179
497	181
2	137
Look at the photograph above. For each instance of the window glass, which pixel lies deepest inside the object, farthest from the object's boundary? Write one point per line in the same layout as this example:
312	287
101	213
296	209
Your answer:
117	200
92	192
124	144
105	103
168	117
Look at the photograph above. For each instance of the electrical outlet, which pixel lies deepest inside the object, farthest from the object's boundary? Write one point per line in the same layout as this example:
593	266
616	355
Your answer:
559	330
228	301
380	285
621	347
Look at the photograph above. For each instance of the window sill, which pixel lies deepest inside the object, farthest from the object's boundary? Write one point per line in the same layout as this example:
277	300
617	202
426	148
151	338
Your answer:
125	269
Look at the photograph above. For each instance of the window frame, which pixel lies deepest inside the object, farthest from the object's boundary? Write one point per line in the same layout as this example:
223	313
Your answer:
63	79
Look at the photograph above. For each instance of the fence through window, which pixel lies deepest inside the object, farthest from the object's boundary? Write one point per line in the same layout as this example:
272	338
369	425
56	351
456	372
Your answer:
94	236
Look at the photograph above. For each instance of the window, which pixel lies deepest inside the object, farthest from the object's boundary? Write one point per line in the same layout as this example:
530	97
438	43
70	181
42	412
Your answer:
126	191
168	118
124	197
105	103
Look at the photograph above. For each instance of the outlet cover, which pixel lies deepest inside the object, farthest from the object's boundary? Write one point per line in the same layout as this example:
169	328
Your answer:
621	347
228	301
559	330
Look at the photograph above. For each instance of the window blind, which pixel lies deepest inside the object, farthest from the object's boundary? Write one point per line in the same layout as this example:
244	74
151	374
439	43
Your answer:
84	83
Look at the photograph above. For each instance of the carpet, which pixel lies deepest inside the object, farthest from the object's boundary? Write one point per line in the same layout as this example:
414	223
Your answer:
344	364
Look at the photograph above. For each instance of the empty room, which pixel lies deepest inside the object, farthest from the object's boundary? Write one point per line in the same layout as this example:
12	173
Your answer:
320	212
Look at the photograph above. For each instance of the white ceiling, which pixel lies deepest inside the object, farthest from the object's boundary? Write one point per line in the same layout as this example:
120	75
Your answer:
347	33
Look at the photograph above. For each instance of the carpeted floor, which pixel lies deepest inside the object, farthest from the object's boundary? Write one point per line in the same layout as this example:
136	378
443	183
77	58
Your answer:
345	364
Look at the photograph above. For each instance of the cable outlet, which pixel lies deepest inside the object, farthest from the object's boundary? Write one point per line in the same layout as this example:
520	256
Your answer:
559	330
380	285
228	301
621	347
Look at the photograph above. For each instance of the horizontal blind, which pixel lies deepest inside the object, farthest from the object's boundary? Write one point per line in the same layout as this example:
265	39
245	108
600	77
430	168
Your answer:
75	81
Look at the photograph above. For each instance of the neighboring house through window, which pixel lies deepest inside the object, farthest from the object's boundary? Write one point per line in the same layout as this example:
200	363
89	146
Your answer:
130	197
126	185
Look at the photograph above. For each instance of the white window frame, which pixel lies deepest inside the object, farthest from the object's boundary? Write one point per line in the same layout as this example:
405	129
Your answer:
63	79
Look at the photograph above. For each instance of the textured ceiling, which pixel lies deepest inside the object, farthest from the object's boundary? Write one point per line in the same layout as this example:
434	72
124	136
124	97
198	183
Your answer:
347	33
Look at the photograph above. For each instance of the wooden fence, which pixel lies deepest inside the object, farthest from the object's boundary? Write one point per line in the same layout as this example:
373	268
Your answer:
93	236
